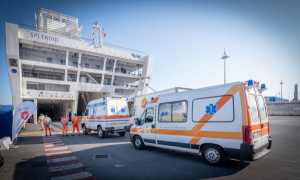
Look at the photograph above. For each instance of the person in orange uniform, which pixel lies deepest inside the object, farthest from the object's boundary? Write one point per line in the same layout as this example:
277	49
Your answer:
64	123
41	118
75	121
47	122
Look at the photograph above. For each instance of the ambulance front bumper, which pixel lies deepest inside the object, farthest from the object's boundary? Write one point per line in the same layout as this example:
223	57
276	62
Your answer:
248	153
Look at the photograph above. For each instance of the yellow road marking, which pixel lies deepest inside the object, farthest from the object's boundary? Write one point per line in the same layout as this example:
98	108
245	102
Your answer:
33	132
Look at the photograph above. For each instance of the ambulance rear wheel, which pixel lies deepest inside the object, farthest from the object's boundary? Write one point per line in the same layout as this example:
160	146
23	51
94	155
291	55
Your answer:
138	143
84	129
101	133
213	155
122	133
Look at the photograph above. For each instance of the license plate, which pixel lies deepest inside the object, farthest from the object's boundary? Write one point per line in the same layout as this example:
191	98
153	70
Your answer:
256	134
119	127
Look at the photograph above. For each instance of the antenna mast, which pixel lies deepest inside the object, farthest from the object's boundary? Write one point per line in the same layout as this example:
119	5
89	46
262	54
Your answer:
94	35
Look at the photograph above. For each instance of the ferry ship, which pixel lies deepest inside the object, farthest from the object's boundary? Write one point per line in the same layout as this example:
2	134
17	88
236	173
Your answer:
53	66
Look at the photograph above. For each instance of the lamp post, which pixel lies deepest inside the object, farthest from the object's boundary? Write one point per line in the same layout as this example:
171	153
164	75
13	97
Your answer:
224	57
281	83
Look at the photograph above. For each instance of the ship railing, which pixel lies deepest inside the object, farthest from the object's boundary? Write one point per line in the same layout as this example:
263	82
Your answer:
135	53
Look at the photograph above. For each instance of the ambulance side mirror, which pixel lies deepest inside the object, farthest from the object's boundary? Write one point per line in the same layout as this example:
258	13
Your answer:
137	121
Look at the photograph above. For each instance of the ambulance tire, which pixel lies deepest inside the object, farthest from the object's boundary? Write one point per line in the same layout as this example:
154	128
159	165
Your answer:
122	133
138	143
101	133
85	130
213	155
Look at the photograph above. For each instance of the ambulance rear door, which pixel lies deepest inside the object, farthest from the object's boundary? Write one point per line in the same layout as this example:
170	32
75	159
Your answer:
255	120
263	119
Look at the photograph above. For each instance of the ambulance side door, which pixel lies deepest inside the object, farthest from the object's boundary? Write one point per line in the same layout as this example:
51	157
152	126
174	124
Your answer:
148	124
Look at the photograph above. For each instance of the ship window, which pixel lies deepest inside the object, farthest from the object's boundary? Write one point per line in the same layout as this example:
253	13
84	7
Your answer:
86	65
75	63
13	62
97	66
49	60
31	86
62	62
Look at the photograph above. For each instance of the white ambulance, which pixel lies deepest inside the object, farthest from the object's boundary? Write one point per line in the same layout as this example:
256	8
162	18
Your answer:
106	115
221	122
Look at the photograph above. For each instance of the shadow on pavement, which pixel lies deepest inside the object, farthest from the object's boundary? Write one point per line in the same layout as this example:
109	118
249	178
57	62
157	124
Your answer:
25	140
35	168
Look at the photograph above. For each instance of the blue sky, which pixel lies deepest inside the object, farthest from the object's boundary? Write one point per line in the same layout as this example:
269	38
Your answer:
187	38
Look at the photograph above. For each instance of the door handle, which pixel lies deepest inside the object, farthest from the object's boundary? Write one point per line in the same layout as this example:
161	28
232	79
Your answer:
153	126
262	125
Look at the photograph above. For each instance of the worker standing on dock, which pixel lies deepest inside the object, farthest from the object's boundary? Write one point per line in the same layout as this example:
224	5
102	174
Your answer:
64	123
75	121
41	118
47	121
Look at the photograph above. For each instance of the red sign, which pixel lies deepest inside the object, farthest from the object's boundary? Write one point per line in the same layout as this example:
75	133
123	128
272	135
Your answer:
24	115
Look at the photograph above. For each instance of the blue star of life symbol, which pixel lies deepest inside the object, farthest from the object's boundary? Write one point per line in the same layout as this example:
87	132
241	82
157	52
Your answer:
211	109
113	110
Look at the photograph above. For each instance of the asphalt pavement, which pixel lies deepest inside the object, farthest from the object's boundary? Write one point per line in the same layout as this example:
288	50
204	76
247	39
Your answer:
114	157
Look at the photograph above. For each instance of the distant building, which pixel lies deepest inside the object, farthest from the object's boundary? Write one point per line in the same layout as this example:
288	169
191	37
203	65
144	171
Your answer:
270	99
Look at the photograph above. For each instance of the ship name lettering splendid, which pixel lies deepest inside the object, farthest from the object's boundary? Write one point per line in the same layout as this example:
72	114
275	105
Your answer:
44	37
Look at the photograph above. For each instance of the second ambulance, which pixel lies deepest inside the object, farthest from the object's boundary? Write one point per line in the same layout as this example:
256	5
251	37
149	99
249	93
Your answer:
106	115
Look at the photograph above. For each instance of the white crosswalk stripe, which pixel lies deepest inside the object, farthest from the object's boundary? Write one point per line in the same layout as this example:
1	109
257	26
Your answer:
54	145
61	159
57	153
57	148
65	167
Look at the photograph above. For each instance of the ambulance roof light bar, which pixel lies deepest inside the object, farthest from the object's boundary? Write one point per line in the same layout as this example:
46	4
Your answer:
262	88
251	83
116	97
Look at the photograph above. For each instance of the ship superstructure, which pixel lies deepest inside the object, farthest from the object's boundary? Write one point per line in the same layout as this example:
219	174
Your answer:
51	65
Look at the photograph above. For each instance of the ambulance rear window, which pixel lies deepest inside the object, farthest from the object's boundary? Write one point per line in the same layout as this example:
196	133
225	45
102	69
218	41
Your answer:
253	107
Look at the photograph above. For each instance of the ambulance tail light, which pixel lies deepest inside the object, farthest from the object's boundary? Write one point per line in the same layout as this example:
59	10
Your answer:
247	134
262	86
